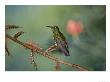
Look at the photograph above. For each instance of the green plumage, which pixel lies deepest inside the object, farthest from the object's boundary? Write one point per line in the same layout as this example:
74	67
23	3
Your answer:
60	40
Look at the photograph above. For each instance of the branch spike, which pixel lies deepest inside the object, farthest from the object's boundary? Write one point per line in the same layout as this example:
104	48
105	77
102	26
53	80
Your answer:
32	60
7	50
18	34
7	27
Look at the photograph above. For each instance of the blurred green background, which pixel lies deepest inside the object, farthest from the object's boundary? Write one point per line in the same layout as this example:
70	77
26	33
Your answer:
88	49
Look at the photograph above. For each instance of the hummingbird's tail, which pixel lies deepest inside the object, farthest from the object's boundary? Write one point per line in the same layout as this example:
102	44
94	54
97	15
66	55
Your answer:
65	51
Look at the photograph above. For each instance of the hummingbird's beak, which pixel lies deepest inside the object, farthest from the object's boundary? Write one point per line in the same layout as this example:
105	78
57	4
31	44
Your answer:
49	27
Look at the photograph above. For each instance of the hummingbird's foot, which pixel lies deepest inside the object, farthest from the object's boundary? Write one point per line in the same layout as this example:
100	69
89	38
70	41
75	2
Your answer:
52	48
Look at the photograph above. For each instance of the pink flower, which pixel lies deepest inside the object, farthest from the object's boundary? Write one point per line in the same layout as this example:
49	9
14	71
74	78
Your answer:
74	28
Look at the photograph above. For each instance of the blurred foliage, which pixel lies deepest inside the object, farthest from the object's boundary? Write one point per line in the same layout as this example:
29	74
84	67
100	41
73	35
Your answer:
88	49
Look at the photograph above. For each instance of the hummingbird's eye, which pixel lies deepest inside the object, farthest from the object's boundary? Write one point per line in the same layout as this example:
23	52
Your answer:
55	26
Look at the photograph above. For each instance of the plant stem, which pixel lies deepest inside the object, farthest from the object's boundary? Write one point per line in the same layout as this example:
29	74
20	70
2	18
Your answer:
45	54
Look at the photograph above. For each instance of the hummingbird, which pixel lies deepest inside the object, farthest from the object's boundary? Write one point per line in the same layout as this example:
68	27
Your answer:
60	40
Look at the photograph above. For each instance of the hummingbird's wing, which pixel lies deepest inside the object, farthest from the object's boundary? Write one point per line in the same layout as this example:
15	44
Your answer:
64	39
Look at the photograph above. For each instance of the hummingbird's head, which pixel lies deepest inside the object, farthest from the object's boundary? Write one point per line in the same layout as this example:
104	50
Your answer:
54	28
